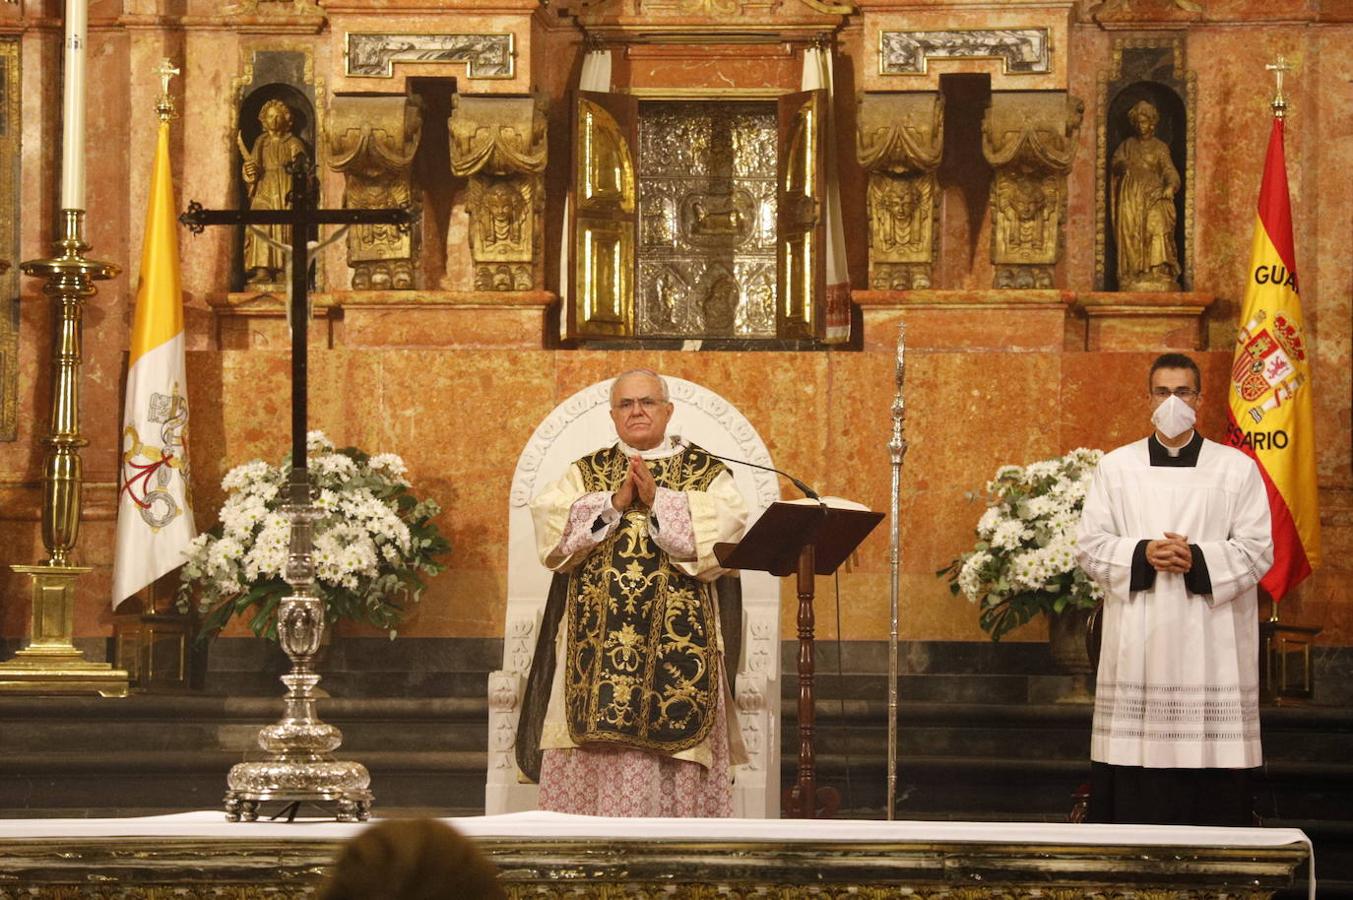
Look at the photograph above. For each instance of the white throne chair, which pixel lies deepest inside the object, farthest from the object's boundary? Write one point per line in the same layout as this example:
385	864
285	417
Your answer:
579	426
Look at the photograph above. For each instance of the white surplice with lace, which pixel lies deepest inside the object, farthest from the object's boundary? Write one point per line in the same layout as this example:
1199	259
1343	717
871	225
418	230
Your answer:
1178	672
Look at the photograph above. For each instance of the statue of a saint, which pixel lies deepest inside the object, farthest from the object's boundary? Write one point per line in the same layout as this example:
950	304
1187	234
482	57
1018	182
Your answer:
266	176
1144	184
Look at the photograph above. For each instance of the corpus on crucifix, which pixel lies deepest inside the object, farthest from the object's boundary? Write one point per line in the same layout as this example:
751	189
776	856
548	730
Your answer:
302	768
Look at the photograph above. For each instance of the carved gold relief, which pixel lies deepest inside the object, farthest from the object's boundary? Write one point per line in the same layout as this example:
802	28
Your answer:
498	143
1030	140
707	208
899	143
372	142
274	8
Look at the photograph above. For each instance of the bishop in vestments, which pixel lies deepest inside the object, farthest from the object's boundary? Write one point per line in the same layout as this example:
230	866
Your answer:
638	721
1175	528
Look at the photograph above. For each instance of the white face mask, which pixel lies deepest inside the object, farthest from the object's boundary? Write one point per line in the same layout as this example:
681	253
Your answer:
1173	417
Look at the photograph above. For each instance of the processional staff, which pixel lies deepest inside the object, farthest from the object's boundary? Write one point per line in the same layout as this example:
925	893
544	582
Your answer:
897	447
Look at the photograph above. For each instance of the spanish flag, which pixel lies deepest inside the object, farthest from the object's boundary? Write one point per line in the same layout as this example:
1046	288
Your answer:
154	513
1271	418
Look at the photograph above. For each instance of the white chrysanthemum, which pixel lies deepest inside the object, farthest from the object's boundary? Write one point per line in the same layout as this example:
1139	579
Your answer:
1046	468
1010	534
333	467
317	442
993	517
970	576
268	557
1037	508
390	463
245	477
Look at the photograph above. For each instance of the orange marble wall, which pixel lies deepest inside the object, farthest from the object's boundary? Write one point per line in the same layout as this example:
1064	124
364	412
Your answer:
457	386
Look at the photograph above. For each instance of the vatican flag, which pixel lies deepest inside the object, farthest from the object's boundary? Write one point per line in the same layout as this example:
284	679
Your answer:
154	512
1271	418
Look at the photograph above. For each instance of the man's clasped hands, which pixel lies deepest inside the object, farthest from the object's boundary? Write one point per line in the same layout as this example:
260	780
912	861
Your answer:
639	482
1171	554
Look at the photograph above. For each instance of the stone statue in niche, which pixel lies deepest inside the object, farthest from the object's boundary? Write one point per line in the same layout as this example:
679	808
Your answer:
268	182
1145	182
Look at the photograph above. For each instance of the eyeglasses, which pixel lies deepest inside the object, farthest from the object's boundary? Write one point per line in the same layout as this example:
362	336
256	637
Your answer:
648	404
1183	393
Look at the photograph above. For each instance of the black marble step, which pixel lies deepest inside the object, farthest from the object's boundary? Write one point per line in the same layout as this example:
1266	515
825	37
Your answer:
117	782
194	722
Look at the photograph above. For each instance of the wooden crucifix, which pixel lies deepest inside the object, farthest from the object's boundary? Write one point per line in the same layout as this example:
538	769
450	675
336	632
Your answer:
303	217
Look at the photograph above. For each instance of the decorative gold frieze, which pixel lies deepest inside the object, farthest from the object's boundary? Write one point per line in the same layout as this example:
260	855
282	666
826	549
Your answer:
372	142
1029	138
288	8
499	144
368	55
900	142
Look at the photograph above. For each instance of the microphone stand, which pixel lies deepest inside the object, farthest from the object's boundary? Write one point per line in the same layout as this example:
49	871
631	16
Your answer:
805	489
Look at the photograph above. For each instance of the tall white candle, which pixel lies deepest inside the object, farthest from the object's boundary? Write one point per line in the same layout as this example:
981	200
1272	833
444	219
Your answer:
73	122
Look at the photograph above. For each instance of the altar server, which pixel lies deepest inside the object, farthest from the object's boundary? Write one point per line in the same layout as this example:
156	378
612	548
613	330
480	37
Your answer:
1175	529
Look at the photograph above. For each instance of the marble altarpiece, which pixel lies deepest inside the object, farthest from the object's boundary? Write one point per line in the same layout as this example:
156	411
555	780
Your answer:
446	343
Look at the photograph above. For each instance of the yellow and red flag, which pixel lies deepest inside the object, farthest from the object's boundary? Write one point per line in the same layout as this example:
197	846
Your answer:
154	511
1271	417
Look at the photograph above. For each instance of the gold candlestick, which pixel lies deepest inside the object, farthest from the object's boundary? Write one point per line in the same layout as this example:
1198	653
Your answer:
50	663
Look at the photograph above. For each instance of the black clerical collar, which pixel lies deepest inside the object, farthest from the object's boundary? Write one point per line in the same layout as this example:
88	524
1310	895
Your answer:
1188	454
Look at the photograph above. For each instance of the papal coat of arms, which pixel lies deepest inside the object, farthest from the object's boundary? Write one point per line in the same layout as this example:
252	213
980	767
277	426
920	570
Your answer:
1267	363
148	471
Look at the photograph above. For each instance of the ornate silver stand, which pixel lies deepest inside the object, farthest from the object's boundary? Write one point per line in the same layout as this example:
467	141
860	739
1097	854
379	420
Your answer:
301	768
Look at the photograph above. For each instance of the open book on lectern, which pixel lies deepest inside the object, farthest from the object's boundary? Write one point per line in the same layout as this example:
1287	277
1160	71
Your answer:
833	526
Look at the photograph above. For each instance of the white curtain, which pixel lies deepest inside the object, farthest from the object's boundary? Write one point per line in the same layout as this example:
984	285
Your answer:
595	76
817	75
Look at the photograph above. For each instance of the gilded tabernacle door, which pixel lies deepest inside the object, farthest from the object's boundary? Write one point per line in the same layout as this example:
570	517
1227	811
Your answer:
604	220
698	219
802	282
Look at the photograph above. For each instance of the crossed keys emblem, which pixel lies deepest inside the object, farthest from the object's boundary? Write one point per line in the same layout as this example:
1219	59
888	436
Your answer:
148	470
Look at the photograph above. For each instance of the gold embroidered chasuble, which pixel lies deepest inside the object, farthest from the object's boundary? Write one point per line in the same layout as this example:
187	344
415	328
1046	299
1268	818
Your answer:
642	661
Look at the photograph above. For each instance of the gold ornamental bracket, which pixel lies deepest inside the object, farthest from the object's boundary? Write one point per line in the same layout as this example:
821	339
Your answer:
499	145
372	143
1029	138
899	143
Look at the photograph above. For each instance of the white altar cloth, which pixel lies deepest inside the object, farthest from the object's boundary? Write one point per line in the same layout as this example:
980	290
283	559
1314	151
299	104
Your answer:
212	824
525	825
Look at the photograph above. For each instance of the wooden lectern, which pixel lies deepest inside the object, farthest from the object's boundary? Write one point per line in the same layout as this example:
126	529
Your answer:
807	538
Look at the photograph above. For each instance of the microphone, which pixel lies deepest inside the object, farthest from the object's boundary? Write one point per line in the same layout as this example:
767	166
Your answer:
808	492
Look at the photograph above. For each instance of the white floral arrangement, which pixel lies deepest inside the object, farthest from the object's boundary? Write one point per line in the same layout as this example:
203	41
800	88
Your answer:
371	548
1024	561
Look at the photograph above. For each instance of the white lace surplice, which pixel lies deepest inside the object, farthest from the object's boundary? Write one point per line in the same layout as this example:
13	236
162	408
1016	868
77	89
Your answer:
1178	672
